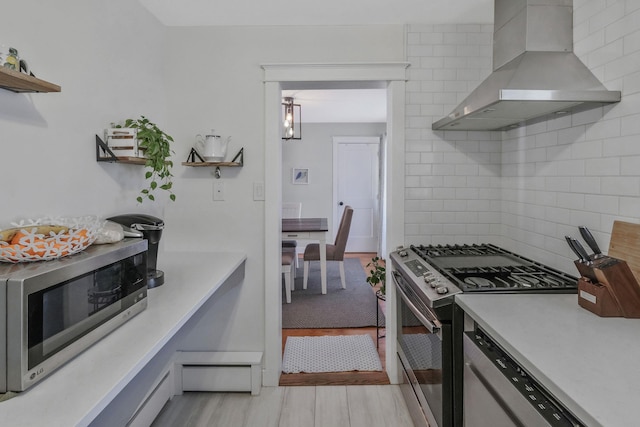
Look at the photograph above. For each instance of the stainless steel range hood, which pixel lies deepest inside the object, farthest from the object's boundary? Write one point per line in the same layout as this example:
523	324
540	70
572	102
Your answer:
536	74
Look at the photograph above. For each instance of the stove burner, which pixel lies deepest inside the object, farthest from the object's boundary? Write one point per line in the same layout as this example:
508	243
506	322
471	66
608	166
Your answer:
485	267
479	282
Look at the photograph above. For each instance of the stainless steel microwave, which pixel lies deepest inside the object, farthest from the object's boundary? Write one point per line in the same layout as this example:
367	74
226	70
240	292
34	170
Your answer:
50	311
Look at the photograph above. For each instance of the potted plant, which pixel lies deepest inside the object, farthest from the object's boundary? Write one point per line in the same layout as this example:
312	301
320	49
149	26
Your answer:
156	146
377	275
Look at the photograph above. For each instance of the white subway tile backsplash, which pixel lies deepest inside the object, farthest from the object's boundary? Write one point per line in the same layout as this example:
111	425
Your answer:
431	38
571	135
604	128
558	183
466	193
593	40
621	146
529	186
584	10
571	167
609	166
586	117
630	165
631	42
455	38
614	11
560	122
631	84
587	149
431	181
454	181
587	185
622	66
621	186
600	203
418	193
630	125
455	205
570	200
605	54
630	206
412	182
632	5
557	215
418	169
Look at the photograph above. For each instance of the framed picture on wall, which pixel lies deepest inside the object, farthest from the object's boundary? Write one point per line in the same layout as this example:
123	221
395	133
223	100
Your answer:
300	176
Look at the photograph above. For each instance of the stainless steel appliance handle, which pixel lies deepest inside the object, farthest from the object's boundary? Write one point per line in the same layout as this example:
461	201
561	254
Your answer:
433	324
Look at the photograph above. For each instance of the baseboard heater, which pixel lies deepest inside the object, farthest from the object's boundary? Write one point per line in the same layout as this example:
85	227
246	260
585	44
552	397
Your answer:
220	371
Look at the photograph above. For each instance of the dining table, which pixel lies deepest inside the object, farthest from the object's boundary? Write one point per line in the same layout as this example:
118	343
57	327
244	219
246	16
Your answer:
310	229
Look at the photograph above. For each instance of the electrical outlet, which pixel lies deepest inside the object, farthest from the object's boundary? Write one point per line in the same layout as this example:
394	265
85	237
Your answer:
258	191
218	190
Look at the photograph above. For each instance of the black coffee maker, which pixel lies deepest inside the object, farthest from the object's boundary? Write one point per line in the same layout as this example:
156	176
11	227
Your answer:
151	229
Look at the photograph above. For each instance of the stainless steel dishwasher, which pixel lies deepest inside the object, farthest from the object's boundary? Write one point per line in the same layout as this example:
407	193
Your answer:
498	392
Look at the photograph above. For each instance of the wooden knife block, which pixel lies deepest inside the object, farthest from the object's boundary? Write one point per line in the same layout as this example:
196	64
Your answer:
610	290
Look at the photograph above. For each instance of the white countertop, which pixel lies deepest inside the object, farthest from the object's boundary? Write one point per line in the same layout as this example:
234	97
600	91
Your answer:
76	393
590	363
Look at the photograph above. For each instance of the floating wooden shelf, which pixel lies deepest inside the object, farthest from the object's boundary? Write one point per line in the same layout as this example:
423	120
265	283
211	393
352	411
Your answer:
20	82
238	160
104	154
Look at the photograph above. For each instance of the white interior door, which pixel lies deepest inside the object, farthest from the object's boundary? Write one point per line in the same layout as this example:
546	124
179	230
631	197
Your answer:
356	181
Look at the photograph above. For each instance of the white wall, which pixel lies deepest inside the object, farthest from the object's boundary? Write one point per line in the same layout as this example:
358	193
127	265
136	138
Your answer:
315	151
220	85
109	59
452	178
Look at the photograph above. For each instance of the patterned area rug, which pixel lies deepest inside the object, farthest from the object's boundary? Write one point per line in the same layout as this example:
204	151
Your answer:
340	353
354	307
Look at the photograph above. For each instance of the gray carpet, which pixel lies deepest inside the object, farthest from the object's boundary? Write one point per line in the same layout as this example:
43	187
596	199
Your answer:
354	307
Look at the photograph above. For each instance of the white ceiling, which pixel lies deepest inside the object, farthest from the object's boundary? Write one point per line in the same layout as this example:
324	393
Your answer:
325	106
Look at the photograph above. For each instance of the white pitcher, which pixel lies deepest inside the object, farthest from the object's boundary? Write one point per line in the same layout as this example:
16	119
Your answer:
212	147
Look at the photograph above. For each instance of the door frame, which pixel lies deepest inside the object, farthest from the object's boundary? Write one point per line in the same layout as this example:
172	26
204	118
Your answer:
337	140
277	77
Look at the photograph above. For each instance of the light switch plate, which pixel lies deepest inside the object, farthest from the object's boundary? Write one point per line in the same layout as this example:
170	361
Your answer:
258	191
218	190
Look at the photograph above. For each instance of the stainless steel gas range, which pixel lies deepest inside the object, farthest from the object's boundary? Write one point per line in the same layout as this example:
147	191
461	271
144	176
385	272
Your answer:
430	325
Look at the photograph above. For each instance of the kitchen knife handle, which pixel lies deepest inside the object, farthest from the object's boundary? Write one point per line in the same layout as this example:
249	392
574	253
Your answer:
583	253
573	248
588	237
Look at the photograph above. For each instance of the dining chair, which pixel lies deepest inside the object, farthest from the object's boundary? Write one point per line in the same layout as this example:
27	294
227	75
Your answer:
335	252
288	273
291	210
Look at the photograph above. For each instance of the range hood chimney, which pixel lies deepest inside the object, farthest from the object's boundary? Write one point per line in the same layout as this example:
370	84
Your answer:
535	75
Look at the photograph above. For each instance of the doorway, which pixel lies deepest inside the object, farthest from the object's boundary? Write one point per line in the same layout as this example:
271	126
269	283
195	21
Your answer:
279	76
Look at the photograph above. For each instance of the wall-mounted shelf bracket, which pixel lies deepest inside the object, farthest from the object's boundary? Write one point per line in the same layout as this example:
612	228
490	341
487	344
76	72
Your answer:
193	154
238	161
103	152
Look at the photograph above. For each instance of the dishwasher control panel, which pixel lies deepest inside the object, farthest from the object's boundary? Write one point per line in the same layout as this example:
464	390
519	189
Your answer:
543	402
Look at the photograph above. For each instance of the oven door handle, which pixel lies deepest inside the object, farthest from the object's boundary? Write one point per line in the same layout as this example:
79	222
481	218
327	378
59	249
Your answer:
433	324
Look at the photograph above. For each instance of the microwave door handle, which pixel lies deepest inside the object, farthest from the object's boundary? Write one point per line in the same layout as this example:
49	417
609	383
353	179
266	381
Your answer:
433	325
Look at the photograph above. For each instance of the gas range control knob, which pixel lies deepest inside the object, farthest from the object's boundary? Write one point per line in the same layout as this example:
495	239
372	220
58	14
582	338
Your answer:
403	254
441	290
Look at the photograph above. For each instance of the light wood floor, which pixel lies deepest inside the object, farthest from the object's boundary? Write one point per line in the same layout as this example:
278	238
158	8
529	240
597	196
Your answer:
340	399
339	378
330	406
